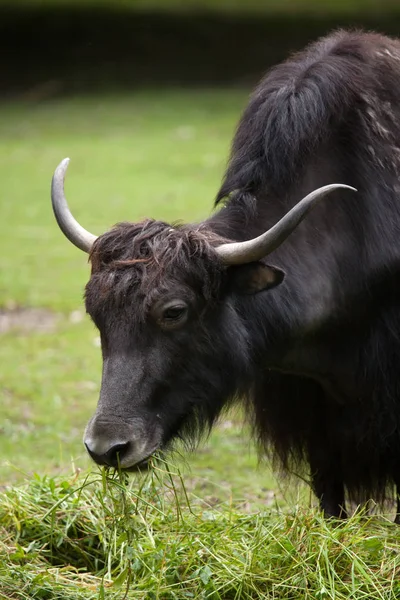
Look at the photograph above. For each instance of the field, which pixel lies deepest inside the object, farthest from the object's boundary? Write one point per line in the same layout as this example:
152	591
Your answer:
213	524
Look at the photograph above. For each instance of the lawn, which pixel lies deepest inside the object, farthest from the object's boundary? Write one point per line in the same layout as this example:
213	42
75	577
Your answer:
63	535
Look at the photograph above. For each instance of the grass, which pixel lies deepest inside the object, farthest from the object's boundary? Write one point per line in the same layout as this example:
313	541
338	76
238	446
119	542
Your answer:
102	537
230	531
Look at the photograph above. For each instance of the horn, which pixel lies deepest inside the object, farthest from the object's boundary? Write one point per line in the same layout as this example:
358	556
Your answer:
68	225
236	253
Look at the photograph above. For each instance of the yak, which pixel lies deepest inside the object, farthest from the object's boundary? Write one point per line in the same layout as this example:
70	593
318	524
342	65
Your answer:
284	302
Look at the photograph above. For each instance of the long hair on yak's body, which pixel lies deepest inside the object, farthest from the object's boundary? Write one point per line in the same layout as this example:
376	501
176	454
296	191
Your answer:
346	79
330	113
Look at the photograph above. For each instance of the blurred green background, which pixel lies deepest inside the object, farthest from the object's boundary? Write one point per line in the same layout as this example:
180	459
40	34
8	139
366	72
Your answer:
144	97
55	47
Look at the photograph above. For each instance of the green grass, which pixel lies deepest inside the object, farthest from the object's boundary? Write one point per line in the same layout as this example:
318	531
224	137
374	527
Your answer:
231	532
98	537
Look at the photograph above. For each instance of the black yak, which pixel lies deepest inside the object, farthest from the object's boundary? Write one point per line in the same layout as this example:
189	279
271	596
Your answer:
304	328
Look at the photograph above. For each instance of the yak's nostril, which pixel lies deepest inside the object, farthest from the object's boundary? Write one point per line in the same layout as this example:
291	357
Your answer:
116	454
112	457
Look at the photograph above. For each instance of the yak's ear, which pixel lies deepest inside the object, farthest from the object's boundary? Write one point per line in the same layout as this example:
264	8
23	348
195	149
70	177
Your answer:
253	278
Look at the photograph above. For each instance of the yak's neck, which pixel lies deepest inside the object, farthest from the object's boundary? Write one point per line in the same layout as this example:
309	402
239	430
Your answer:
342	271
313	298
275	318
308	257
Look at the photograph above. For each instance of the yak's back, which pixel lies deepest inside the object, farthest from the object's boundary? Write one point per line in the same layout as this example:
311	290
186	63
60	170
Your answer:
345	85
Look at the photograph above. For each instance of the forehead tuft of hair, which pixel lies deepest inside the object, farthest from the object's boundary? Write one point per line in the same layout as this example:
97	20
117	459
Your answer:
149	254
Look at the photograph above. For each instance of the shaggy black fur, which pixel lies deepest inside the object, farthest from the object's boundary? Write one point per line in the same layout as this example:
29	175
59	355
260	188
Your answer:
317	356
141	259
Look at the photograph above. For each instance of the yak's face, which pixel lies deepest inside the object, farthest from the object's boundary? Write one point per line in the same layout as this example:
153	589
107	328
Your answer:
170	304
174	346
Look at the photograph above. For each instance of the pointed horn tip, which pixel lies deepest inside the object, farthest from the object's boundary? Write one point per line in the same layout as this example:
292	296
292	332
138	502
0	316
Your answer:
63	165
327	189
350	187
344	186
330	187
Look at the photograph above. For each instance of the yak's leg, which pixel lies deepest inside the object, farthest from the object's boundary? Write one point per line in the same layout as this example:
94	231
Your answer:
397	518
328	487
330	494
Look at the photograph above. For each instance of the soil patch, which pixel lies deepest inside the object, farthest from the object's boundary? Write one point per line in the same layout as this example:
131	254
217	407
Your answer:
27	320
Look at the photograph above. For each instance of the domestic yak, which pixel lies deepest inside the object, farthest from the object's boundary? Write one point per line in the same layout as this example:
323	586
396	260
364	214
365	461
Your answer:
298	318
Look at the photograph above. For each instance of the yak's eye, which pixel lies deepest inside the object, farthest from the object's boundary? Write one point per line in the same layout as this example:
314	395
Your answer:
170	315
174	313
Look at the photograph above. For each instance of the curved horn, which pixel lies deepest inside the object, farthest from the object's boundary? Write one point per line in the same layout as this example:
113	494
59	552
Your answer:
236	253
68	225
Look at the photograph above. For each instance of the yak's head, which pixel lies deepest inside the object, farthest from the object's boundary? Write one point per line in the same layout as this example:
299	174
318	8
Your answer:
175	346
